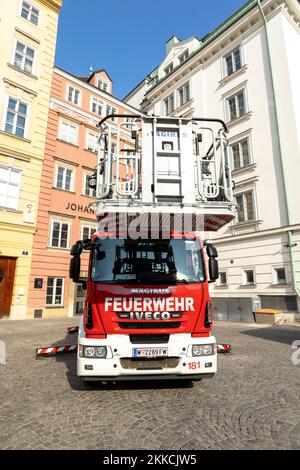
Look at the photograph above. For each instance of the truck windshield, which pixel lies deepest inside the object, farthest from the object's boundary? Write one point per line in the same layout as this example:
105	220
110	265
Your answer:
147	261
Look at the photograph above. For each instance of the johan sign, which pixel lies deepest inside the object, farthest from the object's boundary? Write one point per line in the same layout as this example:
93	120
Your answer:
80	208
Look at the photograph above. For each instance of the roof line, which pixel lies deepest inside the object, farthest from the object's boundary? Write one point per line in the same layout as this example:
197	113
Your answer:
206	40
96	88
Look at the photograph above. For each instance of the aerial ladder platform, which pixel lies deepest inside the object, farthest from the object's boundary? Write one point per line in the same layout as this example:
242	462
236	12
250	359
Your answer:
165	168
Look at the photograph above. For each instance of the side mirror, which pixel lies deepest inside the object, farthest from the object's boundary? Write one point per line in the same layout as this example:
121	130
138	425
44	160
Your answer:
76	249
213	267
211	251
75	268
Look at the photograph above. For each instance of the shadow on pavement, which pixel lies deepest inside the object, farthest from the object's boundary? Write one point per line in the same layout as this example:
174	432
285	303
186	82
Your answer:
77	384
279	334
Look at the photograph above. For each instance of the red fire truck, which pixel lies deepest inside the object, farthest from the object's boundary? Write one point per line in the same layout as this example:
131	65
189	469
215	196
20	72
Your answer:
160	183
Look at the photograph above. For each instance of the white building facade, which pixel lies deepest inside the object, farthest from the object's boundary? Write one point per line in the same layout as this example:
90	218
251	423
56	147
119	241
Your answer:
246	72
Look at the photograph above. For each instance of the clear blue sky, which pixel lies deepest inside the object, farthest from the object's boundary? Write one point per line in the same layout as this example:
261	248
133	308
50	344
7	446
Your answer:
127	38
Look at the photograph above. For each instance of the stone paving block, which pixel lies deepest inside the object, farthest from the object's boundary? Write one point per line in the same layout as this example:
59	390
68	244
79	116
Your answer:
253	402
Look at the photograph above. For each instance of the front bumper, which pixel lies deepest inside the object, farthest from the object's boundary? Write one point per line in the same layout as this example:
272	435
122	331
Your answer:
121	365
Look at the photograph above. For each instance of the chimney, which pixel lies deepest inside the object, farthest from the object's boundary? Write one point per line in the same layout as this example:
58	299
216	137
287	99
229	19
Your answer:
91	70
171	43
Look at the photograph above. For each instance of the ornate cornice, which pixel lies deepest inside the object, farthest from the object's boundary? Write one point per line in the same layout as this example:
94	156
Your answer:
237	27
53	4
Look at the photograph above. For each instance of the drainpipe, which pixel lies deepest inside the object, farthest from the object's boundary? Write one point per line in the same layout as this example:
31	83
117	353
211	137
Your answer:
291	244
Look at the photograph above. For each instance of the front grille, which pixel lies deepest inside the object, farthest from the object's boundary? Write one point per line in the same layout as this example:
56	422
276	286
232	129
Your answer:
127	315
149	339
149	325
150	364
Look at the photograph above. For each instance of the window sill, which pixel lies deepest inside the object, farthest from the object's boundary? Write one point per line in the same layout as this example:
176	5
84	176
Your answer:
10	209
246	224
90	197
68	143
248	286
221	287
235	74
186	107
277	286
91	151
17	69
244	169
57	248
64	190
52	307
240	119
71	103
22	139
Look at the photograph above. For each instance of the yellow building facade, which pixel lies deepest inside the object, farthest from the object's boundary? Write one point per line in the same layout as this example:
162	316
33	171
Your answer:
28	32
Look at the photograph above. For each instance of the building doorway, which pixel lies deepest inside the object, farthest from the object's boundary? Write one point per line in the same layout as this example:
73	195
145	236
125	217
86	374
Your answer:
7	273
233	309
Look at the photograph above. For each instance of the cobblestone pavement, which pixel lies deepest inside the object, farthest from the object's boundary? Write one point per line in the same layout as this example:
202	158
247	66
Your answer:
253	402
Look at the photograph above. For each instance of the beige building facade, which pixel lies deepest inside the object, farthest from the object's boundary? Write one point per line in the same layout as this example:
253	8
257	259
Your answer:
28	30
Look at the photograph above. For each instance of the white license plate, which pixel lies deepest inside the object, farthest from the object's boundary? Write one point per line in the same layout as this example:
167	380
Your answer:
150	352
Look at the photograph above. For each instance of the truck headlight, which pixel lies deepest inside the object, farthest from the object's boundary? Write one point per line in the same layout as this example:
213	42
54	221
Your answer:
203	350
93	352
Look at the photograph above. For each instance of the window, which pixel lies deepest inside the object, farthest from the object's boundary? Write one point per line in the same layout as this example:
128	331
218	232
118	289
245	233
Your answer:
68	132
169	104
169	69
10	182
79	299
246	207
73	95
64	178
102	85
184	94
174	261
92	142
55	290
182	58
87	232
280	276
223	279
249	277
60	234
240	154
236	106
129	122
233	61
30	13
87	191
113	148
24	57
110	110
16	117
97	106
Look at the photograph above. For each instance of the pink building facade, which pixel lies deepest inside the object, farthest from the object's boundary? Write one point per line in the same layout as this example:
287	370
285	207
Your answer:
67	211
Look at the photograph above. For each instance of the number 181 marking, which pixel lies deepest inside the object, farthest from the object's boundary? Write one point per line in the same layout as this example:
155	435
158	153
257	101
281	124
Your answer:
194	365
